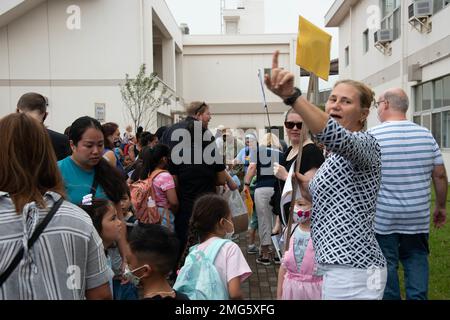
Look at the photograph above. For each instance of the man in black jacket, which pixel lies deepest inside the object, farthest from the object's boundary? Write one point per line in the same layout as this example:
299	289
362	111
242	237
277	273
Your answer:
35	105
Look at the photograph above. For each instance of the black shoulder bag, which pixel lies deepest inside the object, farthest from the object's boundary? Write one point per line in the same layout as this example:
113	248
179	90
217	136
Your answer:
40	228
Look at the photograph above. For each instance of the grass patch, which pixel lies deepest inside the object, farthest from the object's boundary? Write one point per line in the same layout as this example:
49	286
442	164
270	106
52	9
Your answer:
439	259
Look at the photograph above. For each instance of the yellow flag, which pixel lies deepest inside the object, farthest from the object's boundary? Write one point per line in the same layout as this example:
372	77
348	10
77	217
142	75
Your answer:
313	49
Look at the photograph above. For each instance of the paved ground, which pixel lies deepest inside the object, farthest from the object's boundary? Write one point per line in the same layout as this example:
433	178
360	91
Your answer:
262	284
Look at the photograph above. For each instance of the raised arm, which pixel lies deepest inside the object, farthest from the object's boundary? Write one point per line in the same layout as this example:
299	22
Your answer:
281	83
359	148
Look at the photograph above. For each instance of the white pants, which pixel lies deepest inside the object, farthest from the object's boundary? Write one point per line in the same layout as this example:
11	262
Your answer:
346	283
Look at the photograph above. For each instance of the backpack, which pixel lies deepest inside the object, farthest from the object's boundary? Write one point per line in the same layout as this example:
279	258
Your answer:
140	191
199	278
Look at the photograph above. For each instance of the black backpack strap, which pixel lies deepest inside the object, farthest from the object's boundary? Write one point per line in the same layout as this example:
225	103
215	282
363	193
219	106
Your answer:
94	186
40	228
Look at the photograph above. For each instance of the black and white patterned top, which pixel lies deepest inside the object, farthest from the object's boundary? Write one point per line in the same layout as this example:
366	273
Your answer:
344	192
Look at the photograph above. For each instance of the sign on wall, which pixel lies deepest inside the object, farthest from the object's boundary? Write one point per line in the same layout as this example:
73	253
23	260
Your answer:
100	112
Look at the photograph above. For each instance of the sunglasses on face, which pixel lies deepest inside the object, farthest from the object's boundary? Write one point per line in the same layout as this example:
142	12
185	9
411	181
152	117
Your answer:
291	125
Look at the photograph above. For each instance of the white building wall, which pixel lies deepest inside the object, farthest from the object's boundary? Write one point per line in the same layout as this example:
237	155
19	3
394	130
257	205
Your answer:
252	18
345	72
222	70
382	72
78	68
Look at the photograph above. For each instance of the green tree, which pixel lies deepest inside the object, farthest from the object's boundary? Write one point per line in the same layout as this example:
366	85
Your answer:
142	97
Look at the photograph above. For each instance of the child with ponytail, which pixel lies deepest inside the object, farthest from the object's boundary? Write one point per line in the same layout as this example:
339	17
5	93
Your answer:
211	221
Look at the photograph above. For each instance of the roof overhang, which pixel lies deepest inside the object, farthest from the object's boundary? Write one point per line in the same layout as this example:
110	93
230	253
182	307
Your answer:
338	11
13	9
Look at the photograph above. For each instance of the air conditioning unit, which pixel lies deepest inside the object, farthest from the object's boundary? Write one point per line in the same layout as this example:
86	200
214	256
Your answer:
184	28
419	14
420	9
384	36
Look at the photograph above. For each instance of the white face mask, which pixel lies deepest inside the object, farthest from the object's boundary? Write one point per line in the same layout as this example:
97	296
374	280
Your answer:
301	215
228	235
130	276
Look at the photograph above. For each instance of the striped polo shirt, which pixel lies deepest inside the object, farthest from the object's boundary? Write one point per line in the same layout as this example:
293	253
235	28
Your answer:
408	154
67	259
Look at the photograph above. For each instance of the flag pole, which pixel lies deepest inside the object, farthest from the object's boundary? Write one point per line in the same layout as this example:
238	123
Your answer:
312	91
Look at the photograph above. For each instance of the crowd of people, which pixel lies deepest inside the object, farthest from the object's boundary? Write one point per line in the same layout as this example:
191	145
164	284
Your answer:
93	214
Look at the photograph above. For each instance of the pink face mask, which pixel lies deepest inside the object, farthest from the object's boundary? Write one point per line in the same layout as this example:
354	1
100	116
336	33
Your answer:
301	215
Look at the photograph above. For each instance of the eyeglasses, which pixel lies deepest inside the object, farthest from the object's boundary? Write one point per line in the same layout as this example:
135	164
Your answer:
291	125
377	103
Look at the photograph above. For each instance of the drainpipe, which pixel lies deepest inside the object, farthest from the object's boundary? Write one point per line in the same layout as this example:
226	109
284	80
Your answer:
350	55
403	17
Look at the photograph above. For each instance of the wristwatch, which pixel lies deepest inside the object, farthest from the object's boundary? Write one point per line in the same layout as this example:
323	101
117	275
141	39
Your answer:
291	100
247	184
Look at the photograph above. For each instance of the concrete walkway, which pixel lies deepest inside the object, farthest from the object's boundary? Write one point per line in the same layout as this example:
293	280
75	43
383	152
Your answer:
262	284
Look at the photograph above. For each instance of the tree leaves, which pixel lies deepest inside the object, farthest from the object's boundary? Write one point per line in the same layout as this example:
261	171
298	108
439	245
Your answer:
143	96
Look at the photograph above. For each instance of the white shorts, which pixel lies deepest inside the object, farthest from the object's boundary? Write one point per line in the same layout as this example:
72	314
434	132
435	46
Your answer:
342	282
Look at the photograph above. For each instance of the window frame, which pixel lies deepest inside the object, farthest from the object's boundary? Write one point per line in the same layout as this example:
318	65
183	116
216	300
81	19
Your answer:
347	55
366	41
390	16
431	113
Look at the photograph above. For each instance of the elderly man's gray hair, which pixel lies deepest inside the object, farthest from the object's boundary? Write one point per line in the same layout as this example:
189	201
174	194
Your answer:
397	100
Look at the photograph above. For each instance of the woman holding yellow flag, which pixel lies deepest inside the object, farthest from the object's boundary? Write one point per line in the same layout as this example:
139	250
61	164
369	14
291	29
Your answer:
344	189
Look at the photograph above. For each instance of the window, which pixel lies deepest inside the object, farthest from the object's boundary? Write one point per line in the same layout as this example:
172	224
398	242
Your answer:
163	120
438	94
426	121
447	91
416	120
432	108
418	98
347	56
366	41
388	6
391	11
438	5
436	127
427	95
446	129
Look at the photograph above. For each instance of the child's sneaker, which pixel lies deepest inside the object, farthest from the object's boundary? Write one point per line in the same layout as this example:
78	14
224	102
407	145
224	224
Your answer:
234	237
263	261
252	249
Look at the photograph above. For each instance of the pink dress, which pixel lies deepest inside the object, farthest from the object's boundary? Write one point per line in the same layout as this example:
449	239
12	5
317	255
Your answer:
303	282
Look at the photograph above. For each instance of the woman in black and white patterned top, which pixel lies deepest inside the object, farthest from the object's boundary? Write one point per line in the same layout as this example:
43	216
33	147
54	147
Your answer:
344	189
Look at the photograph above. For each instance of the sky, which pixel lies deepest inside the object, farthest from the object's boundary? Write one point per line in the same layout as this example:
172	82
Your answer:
281	16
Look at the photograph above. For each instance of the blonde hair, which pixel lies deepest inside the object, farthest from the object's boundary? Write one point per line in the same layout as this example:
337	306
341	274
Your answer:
196	107
270	140
366	94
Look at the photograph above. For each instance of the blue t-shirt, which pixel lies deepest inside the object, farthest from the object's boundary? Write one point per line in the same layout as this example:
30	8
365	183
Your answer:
246	156
78	181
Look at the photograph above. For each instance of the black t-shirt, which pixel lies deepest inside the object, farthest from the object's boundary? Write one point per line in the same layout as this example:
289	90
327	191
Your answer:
178	296
195	180
197	176
312	157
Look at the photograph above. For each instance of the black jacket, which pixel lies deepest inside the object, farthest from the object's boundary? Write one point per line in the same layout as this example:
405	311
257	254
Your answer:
60	144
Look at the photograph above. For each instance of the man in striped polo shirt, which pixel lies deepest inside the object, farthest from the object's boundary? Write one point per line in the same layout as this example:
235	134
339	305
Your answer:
410	159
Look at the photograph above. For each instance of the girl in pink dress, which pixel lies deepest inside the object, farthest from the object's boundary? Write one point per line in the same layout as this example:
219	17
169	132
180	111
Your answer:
298	277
